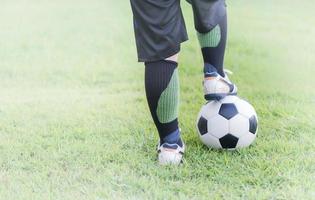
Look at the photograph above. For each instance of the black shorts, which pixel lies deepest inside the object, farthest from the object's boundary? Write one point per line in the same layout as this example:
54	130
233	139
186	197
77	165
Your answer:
160	27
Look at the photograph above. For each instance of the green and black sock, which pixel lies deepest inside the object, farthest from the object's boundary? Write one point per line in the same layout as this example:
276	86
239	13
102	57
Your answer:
213	45
162	91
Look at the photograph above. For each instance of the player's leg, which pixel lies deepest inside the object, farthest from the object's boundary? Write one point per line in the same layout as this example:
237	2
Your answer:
211	25
159	30
162	91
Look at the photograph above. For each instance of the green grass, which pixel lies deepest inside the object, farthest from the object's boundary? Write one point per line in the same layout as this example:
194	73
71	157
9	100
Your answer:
74	123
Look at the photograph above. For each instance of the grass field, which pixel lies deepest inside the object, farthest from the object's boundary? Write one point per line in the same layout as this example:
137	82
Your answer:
74	123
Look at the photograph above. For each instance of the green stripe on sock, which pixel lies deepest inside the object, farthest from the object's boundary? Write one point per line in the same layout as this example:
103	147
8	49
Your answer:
167	109
210	39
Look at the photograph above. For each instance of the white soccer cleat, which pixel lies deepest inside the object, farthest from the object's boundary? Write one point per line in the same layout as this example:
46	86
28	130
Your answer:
170	154
216	87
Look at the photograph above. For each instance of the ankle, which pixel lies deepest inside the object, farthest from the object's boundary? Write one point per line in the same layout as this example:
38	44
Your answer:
172	138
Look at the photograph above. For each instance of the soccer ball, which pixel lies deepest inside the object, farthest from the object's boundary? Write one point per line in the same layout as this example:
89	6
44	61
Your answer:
227	124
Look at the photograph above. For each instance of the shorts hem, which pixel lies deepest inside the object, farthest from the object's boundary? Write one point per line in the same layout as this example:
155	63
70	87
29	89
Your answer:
164	54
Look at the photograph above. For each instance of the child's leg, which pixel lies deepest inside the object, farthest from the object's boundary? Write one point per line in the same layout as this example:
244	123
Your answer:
211	26
213	45
159	30
162	91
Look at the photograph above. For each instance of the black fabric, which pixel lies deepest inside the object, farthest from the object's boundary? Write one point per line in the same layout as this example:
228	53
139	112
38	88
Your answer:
207	13
159	28
215	55
173	138
157	77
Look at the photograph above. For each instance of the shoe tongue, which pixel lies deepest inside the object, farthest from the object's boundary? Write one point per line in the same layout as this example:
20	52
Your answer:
172	138
208	68
170	146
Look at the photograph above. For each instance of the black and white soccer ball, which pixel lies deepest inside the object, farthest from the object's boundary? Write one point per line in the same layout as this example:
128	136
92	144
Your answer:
227	124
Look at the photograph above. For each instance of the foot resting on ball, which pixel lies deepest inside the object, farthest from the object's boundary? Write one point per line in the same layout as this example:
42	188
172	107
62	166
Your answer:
216	86
171	150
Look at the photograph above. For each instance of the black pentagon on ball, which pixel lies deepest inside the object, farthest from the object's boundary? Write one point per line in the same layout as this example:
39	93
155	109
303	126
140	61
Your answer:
228	110
253	124
228	141
202	125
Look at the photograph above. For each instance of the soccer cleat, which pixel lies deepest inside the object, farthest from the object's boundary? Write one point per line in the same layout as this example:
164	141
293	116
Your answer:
170	154
216	87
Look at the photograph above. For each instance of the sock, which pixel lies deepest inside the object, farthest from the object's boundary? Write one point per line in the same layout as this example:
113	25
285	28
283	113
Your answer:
213	45
162	92
173	138
208	68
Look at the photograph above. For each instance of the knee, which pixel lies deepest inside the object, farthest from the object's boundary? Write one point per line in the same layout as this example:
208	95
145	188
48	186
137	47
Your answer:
203	27
207	19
